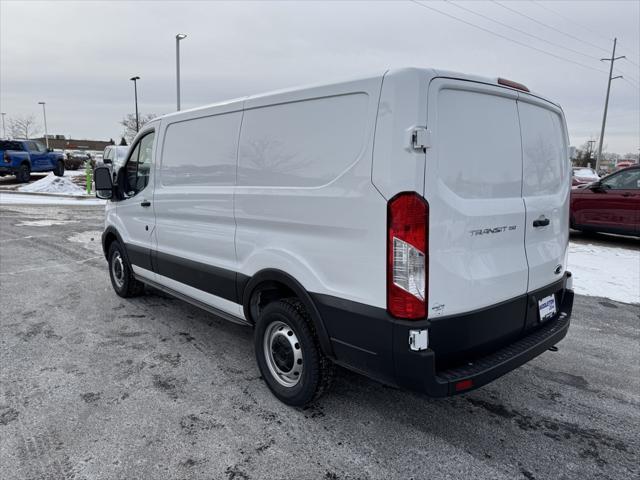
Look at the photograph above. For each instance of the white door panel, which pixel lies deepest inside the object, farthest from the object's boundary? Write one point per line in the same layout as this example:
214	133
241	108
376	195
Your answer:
473	185
135	214
545	189
194	193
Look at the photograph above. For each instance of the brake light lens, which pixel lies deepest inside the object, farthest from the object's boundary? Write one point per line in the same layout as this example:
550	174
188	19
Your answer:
512	84
407	256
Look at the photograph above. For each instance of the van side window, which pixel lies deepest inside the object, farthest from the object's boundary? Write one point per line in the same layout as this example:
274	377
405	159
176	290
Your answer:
138	166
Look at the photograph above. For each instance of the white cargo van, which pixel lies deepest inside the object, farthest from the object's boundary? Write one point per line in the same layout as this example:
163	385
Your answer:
411	226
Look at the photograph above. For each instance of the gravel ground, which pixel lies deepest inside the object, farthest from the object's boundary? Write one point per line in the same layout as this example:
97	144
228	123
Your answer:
94	386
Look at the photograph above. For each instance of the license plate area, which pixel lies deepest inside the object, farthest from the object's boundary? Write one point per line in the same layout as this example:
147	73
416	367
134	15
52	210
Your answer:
547	307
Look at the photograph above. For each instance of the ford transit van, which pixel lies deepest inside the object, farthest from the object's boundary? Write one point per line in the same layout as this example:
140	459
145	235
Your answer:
411	226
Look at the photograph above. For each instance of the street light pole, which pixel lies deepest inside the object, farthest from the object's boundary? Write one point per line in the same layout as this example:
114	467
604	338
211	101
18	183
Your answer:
4	130
135	91
179	37
46	133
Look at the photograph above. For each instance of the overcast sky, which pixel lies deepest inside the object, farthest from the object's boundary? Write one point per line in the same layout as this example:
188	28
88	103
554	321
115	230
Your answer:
79	56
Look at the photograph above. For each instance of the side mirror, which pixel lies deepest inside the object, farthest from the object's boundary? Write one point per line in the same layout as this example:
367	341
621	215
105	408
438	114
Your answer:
49	150
103	182
596	186
106	161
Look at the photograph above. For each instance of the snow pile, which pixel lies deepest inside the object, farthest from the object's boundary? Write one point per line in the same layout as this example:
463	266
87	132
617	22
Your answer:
53	184
610	272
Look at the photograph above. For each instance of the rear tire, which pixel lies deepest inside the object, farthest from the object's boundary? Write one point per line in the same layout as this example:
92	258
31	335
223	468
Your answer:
289	354
24	173
121	273
59	171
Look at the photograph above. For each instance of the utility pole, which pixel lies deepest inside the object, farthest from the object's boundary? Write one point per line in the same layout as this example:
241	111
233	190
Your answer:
606	102
590	151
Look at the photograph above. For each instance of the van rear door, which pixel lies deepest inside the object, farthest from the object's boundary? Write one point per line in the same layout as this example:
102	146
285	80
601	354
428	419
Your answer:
546	187
473	184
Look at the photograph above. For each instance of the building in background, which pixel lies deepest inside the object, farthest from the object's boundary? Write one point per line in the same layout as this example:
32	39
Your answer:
60	142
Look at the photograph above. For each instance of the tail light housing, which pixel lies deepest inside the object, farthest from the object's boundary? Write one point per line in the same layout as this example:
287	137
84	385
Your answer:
407	256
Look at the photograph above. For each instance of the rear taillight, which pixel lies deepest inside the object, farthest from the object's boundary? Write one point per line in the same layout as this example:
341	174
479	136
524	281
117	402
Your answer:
407	256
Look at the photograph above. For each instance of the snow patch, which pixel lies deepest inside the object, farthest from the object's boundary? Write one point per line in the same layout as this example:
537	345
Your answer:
90	240
43	223
602	271
17	199
53	184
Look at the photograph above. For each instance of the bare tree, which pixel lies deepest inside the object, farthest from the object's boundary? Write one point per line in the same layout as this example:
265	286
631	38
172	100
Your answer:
129	124
23	127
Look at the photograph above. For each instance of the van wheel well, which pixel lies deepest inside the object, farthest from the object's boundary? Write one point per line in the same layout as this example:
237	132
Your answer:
264	294
109	239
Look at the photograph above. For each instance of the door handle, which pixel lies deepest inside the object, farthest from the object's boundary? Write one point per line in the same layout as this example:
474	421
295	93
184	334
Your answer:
145	203
541	222
628	194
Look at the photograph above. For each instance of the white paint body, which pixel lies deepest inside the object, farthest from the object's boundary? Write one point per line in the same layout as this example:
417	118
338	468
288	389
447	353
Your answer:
299	181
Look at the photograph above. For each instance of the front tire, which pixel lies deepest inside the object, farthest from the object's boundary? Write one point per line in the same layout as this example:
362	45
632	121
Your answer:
289	355
59	171
121	274
24	173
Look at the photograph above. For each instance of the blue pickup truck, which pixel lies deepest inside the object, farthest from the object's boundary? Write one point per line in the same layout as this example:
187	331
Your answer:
21	157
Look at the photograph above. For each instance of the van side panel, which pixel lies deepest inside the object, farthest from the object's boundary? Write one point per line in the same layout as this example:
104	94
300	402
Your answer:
193	201
473	186
397	167
304	201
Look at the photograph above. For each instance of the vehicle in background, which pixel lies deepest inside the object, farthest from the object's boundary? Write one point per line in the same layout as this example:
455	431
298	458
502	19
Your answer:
412	226
624	164
115	156
22	157
75	160
610	205
583	176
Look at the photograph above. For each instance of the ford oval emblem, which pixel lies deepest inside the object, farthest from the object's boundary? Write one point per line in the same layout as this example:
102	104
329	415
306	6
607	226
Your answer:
558	269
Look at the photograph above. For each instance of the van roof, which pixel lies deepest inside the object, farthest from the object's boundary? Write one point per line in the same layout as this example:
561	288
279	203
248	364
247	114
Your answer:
426	73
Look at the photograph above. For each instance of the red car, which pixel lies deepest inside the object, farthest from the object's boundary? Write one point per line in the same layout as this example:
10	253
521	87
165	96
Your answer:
610	205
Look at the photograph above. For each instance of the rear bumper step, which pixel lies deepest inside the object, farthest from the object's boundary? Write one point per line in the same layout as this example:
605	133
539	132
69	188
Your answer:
485	369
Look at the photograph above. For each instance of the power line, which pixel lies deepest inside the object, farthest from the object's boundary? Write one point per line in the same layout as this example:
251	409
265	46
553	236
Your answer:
589	29
507	38
571	20
632	62
634	85
549	26
522	31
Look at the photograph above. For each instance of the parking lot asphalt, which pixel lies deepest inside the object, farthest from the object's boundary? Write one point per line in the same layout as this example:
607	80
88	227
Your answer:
93	386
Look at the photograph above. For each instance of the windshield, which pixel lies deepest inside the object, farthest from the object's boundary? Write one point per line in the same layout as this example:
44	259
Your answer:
585	172
121	153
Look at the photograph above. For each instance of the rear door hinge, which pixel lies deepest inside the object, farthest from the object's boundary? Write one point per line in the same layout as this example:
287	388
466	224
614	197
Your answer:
420	138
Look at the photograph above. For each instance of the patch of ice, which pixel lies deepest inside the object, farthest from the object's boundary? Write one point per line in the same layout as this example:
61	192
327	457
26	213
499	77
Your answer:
602	271
53	184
